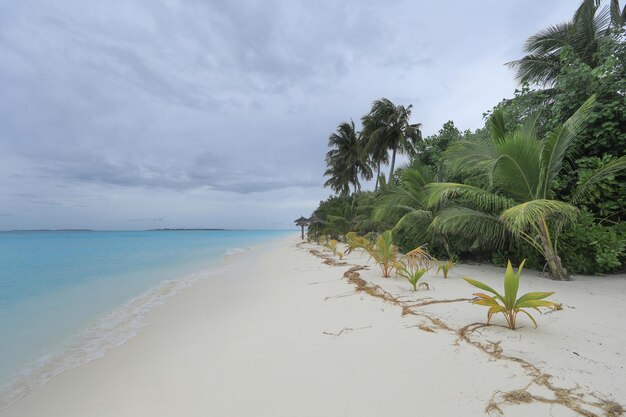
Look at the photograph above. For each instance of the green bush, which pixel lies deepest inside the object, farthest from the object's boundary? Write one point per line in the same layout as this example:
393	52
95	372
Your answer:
412	231
591	248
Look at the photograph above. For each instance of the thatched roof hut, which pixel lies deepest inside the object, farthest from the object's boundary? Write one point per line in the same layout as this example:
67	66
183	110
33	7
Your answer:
302	221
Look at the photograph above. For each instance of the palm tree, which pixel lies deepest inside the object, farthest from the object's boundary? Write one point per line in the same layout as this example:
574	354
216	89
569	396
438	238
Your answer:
346	160
387	127
515	173
583	35
376	149
406	201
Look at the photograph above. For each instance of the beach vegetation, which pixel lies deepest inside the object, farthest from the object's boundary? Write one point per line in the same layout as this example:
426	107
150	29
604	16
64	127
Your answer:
515	173
508	303
582	37
355	242
384	253
387	127
543	180
420	258
412	273
347	160
333	246
445	267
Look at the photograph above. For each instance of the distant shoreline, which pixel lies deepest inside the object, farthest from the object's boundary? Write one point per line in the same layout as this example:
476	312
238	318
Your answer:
142	230
185	230
49	230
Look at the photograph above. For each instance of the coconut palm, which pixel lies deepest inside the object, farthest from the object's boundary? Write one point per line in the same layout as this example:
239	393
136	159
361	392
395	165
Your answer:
515	173
387	127
346	160
376	148
583	35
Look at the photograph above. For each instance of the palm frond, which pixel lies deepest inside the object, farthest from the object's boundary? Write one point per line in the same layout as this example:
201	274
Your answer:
537	69
524	216
472	224
497	125
439	193
471	157
515	172
559	144
618	18
416	223
601	173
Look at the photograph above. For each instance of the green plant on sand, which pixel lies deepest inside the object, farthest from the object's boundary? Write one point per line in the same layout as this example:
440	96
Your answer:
412	272
445	267
508	304
354	242
332	245
384	253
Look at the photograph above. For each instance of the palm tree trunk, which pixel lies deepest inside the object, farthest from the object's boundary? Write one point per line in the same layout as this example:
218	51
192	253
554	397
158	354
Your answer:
377	175
446	246
557	271
393	163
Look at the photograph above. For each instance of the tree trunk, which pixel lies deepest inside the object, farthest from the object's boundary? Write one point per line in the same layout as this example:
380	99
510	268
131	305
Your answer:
557	271
446	246
393	163
377	175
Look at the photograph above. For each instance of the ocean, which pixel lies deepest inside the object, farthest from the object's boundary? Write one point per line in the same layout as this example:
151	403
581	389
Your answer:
68	296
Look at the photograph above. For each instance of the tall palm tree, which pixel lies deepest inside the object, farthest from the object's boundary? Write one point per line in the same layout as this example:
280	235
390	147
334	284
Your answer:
590	26
346	160
387	127
376	149
516	172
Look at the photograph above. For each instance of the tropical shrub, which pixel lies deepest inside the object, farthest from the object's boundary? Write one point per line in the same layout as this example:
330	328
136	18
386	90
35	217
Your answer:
515	197
591	248
412	231
508	304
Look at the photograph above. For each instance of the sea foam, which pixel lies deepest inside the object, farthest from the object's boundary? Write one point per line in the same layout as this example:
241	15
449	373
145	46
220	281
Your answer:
108	332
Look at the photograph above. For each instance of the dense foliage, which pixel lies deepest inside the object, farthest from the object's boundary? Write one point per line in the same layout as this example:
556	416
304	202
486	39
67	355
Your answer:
544	179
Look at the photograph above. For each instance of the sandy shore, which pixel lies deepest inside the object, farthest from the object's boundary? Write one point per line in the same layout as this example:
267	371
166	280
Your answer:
280	333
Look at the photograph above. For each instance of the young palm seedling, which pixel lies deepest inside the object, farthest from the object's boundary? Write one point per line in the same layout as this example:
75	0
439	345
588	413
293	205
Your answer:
412	273
508	304
354	242
420	258
445	267
384	253
332	245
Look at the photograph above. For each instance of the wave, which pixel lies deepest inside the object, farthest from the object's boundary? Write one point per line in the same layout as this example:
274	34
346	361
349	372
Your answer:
108	332
235	251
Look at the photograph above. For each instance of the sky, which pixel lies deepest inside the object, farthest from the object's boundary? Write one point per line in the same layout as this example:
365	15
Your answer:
139	114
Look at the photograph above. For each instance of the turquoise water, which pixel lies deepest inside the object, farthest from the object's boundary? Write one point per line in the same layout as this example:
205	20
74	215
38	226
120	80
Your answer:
55	285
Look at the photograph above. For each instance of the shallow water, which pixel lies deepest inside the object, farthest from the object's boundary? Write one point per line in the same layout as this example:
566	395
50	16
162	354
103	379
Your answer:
65	297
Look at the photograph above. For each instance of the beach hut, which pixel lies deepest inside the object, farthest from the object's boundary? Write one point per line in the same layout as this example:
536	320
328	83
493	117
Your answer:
315	223
302	221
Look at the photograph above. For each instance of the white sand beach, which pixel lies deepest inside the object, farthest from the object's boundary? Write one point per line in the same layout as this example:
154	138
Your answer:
281	333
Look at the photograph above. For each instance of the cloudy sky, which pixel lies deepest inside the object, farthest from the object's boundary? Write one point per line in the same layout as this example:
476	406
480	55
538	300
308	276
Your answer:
134	114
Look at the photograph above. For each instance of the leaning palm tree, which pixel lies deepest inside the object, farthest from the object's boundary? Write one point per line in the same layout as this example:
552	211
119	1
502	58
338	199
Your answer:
514	174
346	160
387	127
590	26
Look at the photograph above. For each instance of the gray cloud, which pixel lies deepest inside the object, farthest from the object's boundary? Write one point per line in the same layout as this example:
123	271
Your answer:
228	102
